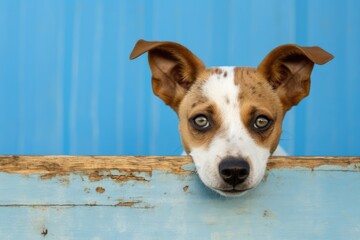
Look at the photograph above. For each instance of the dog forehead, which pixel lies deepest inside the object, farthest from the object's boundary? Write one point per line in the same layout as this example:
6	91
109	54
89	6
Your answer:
236	83
220	86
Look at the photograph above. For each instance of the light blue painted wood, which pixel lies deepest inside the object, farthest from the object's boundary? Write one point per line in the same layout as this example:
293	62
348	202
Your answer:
297	203
67	86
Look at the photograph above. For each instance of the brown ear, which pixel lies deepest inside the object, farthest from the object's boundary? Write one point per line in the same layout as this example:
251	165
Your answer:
174	69
288	68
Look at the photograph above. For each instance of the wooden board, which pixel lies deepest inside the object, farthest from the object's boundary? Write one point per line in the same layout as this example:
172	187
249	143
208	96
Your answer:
103	197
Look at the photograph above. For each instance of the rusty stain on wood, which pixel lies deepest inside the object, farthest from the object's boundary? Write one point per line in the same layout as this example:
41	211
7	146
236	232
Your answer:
100	189
127	204
121	177
51	175
130	167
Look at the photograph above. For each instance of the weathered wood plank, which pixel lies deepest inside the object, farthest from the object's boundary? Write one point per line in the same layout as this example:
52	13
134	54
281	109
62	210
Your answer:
64	164
161	197
174	164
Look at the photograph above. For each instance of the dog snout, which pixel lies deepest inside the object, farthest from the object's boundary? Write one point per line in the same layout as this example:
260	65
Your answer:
234	170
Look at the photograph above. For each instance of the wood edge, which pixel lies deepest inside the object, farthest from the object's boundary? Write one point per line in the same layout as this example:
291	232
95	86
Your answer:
174	164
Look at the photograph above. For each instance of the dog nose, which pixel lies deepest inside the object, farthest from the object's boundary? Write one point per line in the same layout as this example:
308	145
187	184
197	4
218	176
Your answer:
234	170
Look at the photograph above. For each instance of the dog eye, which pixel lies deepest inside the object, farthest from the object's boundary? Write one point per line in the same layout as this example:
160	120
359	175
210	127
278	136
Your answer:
262	123
200	122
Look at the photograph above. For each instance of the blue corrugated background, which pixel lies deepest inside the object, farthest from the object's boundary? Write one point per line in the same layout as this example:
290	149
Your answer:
67	86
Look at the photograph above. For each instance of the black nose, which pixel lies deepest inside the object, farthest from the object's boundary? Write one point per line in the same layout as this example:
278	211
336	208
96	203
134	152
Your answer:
234	170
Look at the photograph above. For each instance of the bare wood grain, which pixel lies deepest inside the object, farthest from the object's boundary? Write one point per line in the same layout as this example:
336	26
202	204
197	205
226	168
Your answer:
49	165
312	162
67	164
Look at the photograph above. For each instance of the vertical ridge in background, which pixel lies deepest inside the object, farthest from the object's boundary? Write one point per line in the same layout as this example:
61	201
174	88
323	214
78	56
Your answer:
121	78
323	129
69	15
96	69
60	77
209	41
340	87
301	38
353	71
219	28
109	77
140	89
74	80
238	47
21	75
9	74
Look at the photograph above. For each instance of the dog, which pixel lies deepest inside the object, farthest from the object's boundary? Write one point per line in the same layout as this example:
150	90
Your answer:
230	118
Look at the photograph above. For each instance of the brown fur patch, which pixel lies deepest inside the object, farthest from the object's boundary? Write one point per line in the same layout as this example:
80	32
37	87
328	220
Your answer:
215	70
218	71
259	99
191	137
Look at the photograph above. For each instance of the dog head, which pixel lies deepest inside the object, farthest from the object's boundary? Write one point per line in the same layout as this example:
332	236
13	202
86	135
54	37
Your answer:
230	117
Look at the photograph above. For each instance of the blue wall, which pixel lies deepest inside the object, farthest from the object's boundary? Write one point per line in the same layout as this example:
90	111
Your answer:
67	86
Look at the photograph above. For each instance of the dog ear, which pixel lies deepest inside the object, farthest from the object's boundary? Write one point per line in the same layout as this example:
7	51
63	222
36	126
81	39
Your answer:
174	69
288	68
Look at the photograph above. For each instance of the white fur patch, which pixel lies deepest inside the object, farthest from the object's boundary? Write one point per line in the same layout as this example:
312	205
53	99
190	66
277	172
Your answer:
232	139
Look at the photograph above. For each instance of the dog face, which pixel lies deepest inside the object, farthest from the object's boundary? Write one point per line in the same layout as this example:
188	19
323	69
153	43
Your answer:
242	118
230	117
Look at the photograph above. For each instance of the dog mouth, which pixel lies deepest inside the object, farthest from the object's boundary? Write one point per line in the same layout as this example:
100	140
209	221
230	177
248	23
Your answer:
232	191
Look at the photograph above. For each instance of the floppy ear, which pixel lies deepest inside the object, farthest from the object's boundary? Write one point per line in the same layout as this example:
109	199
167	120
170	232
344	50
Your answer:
174	69
288	68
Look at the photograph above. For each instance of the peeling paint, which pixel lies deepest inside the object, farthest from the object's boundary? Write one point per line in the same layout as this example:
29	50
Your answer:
51	175
96	168
119	178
